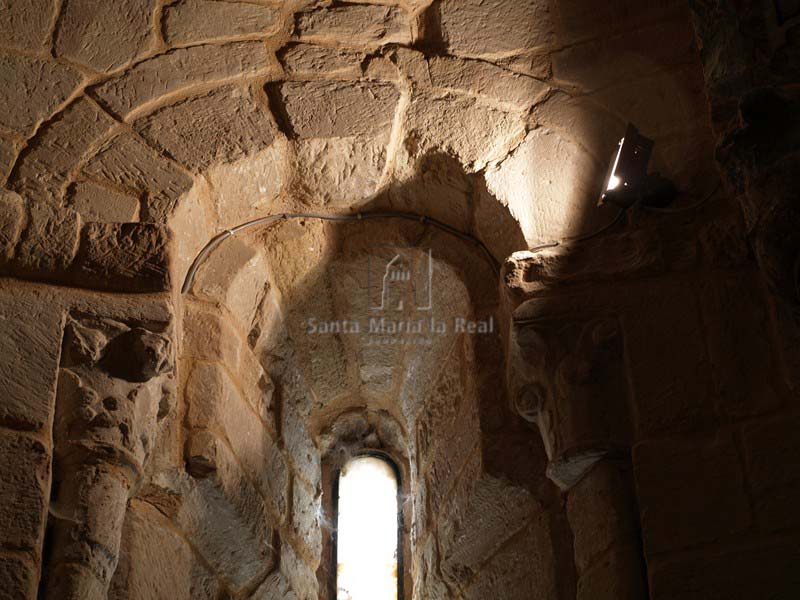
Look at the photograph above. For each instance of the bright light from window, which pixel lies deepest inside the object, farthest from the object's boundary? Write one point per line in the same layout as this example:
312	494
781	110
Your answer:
366	547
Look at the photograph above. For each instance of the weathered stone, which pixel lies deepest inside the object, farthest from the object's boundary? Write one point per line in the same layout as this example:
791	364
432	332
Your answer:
12	220
741	352
192	21
548	184
31	89
100	204
474	132
157	561
306	60
43	169
306	510
618	575
276	587
25	489
26	25
671	384
668	475
18	577
104	36
9	148
337	109
181	69
214	402
130	257
772	451
300	445
485	79
235	276
211	511
493	29
49	242
523	569
28	377
339	172
209	336
610	60
360	24
600	509
128	162
300	575
766	569
222	126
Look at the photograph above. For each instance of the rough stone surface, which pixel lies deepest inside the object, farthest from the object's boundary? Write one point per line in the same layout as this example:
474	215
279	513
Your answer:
191	21
199	132
25	488
104	36
96	203
336	109
12	220
360	24
26	25
307	60
31	89
43	169
493	29
181	69
18	578
127	161
667	476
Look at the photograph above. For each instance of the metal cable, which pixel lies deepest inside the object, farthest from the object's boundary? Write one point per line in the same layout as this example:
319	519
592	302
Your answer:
219	238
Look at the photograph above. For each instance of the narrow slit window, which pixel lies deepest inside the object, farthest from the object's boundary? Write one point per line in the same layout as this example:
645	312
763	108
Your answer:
367	531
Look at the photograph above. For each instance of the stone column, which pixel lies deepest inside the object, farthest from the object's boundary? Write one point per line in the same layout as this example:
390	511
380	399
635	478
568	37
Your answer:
113	388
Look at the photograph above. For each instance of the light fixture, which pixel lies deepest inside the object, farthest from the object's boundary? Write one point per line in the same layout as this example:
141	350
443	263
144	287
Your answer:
627	181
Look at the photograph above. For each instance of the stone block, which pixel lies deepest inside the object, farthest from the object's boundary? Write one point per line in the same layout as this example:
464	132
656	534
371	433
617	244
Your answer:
130	257
617	575
301	577
307	60
668	362
217	508
126	161
104	35
478	523
523	569
494	29
549	183
275	587
601	513
49	242
325	109
207	335
299	445
156	562
609	60
485	79
220	126
763	570
360	24
741	351
339	172
234	275
214	402
9	149
192	21
772	453
44	168
306	509
100	204
181	69
465	127
31	89
690	492
26	25
25	489
12	220
18	577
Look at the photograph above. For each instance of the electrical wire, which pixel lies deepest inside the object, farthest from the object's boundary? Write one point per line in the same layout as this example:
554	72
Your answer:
220	237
